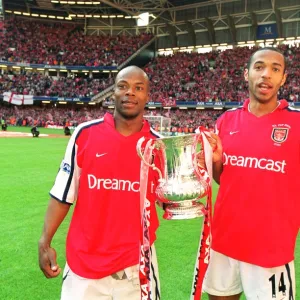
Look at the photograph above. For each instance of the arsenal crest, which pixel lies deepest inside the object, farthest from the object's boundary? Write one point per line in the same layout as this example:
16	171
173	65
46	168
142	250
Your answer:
279	135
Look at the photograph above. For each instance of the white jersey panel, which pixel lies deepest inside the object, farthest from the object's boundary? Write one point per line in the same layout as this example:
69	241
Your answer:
65	188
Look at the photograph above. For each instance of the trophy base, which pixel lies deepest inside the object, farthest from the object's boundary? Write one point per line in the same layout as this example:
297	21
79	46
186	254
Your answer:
181	211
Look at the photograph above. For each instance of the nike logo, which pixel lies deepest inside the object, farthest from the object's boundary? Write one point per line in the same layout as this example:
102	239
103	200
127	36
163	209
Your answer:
99	155
233	132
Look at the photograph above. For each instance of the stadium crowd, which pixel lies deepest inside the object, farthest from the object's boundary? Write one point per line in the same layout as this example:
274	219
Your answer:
37	84
64	44
215	76
181	121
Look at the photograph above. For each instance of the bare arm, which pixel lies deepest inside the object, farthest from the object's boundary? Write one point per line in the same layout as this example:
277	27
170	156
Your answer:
217	158
216	145
55	214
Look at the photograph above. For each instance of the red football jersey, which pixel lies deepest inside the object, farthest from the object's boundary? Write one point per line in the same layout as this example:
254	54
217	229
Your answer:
257	212
101	172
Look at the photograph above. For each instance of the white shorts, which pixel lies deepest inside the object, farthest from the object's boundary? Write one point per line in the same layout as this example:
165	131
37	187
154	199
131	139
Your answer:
226	276
118	286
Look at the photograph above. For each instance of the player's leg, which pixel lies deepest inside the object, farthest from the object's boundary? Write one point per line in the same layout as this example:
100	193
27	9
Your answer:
222	279
268	283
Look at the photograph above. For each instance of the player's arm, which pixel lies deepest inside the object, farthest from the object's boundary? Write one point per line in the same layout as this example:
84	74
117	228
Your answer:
55	214
63	193
216	145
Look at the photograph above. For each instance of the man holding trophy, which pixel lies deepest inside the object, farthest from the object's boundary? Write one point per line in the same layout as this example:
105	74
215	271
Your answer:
101	172
256	215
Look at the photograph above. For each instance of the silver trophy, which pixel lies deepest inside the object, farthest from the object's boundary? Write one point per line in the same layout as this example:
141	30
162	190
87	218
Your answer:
182	180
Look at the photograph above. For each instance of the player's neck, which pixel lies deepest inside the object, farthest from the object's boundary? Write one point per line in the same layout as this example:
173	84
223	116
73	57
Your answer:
128	127
260	109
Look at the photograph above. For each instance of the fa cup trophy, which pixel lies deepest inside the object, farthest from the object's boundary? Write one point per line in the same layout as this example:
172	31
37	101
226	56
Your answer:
183	181
184	165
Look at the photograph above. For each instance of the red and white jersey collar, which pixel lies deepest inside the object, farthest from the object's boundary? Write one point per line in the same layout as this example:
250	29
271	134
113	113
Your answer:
109	119
283	104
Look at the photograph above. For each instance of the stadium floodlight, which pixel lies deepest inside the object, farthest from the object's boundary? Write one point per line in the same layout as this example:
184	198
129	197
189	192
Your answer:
92	103
8	11
143	19
26	14
54	1
43	16
62	102
52	17
61	18
105	16
290	38
96	16
96	3
17	13
63	2
88	16
270	40
80	2
120	16
35	15
112	16
127	17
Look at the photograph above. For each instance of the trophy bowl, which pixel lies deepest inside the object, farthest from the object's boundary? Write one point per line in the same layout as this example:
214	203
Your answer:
182	180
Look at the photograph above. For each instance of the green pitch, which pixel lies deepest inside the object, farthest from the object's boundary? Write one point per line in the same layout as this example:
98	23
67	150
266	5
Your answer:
28	169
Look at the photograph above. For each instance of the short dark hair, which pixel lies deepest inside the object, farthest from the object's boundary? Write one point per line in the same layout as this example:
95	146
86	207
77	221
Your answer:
270	49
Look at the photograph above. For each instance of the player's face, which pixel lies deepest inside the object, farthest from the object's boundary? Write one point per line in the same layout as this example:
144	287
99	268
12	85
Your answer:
131	93
265	76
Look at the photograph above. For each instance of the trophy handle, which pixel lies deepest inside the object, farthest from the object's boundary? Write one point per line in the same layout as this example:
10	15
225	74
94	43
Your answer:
149	145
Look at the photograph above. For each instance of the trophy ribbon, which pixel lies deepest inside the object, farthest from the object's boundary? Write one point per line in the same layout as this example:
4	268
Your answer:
145	251
203	254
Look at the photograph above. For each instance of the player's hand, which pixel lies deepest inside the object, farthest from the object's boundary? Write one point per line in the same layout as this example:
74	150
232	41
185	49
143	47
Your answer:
47	261
215	142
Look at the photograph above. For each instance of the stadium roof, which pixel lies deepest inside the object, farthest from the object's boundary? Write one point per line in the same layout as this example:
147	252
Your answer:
128	7
165	15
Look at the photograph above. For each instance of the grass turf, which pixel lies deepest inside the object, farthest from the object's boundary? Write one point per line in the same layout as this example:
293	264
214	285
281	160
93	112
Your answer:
28	169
